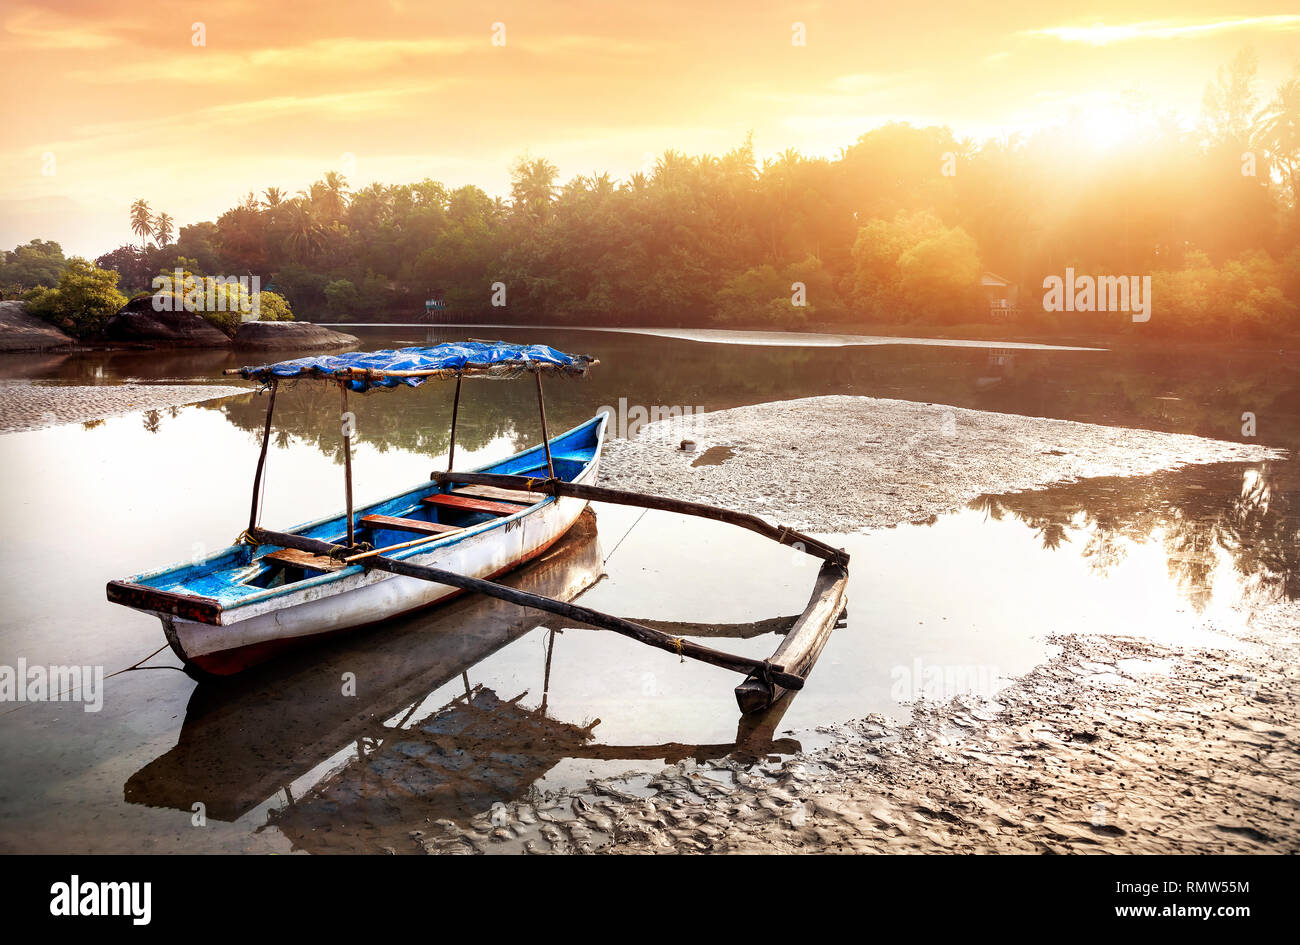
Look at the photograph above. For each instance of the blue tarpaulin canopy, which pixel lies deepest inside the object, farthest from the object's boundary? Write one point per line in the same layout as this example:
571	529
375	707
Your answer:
413	366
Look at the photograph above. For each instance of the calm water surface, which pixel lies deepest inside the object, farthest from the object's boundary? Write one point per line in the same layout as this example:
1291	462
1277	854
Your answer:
477	703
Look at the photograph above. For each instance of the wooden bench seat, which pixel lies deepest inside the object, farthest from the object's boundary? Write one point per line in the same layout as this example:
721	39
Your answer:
464	503
500	495
414	525
305	560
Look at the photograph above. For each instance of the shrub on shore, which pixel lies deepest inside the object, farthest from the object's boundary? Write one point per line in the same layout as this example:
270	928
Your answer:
85	298
223	303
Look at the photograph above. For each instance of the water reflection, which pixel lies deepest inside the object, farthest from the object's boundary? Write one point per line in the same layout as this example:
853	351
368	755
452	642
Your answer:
1199	516
982	587
1199	390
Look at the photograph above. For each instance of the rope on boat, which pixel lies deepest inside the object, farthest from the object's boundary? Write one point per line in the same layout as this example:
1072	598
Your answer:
136	664
133	666
625	534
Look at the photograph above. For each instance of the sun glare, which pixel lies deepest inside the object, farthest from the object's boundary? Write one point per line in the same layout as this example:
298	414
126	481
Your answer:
1110	128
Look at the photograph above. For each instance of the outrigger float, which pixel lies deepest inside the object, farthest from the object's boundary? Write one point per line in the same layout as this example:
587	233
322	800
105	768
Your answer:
449	535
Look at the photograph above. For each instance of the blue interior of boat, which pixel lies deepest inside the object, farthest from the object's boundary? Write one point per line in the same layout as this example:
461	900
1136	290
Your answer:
241	574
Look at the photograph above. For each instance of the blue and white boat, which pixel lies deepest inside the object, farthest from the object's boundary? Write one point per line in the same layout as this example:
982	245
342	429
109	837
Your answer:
442	537
247	602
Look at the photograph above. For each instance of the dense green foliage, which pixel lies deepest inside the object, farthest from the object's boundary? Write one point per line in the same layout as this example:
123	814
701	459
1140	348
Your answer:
85	298
898	228
39	262
223	302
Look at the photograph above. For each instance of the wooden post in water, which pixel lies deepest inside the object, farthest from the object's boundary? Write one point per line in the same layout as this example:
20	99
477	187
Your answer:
261	457
455	410
347	457
546	437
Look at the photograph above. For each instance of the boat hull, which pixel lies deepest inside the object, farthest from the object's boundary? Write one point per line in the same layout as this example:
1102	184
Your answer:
375	597
371	596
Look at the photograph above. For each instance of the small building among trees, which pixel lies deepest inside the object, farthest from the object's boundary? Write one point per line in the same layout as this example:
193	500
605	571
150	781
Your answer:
1001	296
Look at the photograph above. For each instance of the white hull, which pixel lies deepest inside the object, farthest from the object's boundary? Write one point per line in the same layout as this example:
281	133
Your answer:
371	596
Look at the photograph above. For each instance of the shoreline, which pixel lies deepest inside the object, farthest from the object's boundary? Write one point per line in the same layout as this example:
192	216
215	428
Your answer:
823	335
27	407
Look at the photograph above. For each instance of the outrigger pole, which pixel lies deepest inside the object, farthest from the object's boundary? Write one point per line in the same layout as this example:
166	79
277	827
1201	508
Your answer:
560	488
759	669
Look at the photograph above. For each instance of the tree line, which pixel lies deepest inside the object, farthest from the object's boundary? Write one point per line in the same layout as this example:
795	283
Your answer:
897	228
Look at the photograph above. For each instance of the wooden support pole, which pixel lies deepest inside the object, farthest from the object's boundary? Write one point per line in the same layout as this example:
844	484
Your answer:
261	457
347	458
546	437
455	411
558	487
803	644
745	665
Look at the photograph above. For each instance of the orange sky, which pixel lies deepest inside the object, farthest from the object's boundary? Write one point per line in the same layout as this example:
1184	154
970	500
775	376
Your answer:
128	107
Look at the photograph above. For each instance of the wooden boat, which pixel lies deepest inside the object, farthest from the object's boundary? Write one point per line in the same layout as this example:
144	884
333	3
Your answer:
272	590
244	603
292	705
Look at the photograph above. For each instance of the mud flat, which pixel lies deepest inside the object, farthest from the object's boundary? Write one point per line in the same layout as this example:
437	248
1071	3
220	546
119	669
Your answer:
845	464
1116	745
36	406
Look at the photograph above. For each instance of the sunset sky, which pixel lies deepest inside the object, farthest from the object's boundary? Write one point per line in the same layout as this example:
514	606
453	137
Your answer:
129	107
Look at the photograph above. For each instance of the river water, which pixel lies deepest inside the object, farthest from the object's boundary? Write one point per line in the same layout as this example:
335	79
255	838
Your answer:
472	704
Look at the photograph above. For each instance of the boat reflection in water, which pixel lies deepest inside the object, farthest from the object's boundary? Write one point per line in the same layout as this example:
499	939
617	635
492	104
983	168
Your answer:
400	763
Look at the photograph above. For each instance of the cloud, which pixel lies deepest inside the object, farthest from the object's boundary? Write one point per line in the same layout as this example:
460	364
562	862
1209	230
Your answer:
207	66
41	29
1101	35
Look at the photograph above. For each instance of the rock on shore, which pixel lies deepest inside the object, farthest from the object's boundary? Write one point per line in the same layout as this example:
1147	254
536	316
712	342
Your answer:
266	335
138	323
20	331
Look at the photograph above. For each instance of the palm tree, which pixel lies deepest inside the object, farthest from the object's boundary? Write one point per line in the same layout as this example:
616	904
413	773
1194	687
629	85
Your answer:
1279	132
336	194
669	167
533	187
141	221
162	229
272	197
306	234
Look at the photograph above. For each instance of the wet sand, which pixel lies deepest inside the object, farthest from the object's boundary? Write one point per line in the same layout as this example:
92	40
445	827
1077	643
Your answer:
37	406
843	464
1117	745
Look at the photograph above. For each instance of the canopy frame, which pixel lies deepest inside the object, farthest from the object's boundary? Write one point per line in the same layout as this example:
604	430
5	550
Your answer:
346	430
412	366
